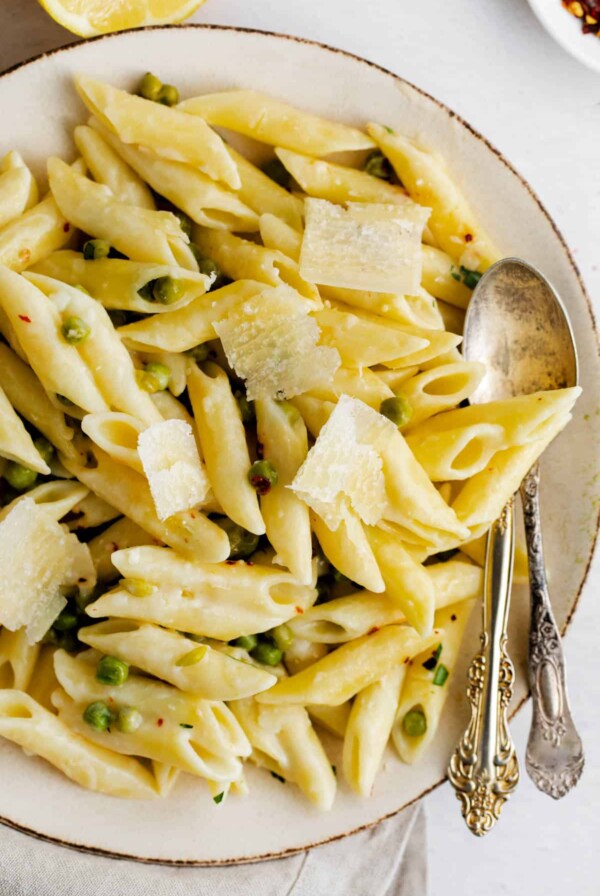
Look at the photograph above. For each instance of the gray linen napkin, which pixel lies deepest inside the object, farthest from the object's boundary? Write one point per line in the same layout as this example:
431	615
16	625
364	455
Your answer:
386	860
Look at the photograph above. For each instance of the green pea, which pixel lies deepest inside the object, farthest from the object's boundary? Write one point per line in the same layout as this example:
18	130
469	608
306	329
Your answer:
276	170
414	723
98	715
267	654
206	266
129	719
155	377
66	620
377	165
95	249
397	409
198	353
44	448
241	542
167	290
75	330
246	642
185	222
168	95
20	477
246	408
111	670
150	87
283	636
262	476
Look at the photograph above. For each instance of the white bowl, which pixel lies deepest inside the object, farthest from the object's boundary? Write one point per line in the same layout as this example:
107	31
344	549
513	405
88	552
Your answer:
38	109
566	30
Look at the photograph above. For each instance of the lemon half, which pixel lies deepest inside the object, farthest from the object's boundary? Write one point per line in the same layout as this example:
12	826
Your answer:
90	17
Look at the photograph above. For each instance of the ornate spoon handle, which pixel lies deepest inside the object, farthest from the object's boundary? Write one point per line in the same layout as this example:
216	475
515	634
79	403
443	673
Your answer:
484	770
554	758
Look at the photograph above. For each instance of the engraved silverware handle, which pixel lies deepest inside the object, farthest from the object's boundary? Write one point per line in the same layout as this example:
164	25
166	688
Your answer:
484	770
554	758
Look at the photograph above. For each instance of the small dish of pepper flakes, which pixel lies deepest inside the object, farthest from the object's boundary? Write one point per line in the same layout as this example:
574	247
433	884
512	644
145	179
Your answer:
588	11
573	24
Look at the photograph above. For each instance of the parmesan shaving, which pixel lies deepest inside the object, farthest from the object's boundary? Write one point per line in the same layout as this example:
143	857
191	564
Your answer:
172	465
343	470
366	246
271	342
37	557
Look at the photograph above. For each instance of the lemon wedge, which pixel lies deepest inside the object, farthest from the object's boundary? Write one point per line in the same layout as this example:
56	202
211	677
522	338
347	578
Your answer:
91	17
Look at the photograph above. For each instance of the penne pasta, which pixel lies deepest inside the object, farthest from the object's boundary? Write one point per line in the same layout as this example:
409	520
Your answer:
167	132
282	433
203	199
350	668
107	167
212	675
271	121
123	533
265	196
224	445
208	599
27	723
452	221
119	283
141	234
425	689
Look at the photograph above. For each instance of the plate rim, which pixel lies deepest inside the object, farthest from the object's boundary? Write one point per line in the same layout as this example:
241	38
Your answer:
193	863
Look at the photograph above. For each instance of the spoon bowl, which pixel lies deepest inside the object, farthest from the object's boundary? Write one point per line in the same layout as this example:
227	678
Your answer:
517	324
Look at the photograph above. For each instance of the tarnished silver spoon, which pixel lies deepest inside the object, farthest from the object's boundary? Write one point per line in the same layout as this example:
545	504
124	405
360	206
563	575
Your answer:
516	324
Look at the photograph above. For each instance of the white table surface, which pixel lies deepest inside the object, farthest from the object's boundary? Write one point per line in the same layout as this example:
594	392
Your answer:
491	61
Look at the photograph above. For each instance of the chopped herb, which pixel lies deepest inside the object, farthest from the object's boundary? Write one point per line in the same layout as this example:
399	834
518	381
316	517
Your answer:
388	129
432	661
441	675
219	797
465	275
277	777
185	725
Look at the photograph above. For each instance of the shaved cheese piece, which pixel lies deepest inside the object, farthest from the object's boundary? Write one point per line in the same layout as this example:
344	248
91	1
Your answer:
363	246
37	557
343	470
172	465
271	342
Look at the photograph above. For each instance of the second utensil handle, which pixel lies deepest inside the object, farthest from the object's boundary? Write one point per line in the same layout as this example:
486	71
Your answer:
484	770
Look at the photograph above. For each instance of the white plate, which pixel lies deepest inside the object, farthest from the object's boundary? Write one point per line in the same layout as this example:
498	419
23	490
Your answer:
38	109
566	30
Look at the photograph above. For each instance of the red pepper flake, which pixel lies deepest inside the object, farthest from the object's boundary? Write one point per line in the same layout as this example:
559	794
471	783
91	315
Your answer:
66	227
261	485
453	617
407	660
192	514
468	237
260	450
373	630
160	722
299	610
231	562
24	318
249	562
588	11
114	546
111	699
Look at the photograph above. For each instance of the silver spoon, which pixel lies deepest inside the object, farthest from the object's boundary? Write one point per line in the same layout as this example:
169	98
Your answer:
517	324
